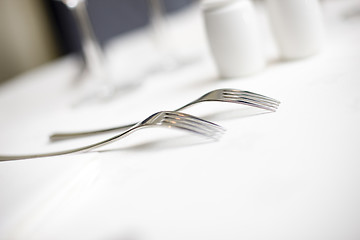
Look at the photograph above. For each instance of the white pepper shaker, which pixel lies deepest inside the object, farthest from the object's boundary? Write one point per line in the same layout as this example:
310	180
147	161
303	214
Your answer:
234	37
297	26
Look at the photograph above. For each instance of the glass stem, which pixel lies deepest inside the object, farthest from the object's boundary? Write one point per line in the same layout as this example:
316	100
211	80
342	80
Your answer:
93	54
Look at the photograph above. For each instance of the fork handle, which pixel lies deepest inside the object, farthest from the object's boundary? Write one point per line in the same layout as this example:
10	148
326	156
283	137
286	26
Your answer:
74	150
70	135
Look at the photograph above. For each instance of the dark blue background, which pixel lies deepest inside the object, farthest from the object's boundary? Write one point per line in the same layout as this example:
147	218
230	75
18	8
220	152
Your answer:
109	18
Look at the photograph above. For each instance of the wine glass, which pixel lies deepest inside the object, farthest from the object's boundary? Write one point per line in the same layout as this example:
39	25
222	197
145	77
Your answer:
94	57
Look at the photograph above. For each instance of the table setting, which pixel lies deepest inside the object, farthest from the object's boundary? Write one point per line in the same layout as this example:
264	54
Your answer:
254	136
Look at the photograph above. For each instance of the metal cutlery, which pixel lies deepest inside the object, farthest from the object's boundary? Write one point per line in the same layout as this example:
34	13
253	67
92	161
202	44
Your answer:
167	119
229	95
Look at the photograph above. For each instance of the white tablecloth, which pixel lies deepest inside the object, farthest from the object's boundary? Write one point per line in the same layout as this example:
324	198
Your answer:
292	174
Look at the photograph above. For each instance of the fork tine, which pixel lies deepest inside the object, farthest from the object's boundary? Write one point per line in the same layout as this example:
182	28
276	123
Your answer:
236	91
253	102
252	99
185	118
206	128
190	118
214	134
252	96
195	128
194	124
260	98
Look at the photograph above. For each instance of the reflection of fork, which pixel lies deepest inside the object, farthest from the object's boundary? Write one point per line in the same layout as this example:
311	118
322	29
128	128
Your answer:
220	95
167	119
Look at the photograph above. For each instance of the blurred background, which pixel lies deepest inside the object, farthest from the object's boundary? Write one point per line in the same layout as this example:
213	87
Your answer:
33	32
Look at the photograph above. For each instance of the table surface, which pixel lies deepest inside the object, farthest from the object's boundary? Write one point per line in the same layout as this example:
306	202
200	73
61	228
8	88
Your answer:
292	174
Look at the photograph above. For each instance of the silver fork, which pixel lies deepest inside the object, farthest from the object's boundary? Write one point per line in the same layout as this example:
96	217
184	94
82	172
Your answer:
229	95
168	119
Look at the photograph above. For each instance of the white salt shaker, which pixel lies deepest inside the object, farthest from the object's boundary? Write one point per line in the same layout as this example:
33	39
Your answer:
234	37
297	26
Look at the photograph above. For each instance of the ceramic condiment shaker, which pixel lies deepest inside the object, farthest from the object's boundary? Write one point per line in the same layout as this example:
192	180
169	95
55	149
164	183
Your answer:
297	26
234	37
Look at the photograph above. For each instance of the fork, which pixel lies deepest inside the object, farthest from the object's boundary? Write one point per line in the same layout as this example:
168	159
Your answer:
229	95
168	119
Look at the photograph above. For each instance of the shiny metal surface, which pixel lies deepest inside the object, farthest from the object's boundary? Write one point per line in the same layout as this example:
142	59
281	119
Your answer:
168	119
220	95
